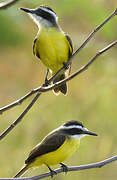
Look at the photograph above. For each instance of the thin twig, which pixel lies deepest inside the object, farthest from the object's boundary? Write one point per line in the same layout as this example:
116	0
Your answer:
19	101
94	31
6	4
72	168
45	89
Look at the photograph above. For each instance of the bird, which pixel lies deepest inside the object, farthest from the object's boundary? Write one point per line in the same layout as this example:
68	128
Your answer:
56	147
51	45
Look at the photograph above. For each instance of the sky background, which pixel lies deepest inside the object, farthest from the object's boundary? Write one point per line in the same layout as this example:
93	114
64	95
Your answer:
92	96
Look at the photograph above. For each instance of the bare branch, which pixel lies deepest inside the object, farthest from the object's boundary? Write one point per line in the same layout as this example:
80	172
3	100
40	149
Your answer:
4	133
19	101
72	168
45	89
6	4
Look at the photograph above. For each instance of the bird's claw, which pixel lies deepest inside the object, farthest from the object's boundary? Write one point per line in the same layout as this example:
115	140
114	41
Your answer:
66	65
64	167
52	172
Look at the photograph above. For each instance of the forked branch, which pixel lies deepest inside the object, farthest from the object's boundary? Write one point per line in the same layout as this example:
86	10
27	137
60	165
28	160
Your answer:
73	168
48	88
19	101
82	69
45	88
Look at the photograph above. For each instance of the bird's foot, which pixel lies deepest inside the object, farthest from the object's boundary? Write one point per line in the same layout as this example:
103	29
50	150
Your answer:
52	172
66	65
46	78
64	167
46	82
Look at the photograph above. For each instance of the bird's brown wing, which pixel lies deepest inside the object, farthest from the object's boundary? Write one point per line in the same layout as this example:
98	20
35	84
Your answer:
70	45
70	51
51	143
35	52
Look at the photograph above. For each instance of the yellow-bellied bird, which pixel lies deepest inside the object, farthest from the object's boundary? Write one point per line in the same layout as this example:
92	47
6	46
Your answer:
51	45
56	147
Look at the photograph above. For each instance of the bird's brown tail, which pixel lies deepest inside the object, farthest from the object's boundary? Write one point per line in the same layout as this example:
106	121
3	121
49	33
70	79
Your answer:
63	87
22	171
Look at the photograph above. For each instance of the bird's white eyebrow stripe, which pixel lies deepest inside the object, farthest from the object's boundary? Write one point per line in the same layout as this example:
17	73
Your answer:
71	127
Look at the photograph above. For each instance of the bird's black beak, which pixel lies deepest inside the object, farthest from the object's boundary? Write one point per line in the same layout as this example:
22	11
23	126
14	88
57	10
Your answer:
27	10
90	133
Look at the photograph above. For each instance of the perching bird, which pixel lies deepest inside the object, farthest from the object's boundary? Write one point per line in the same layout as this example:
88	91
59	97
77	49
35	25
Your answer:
56	147
51	45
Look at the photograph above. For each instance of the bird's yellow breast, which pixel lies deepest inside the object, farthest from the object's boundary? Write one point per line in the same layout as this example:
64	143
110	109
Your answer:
53	48
61	154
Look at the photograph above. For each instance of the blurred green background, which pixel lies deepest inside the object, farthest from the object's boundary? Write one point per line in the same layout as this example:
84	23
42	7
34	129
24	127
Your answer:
92	96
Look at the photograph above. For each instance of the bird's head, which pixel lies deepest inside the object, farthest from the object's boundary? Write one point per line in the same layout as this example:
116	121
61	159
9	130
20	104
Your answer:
75	129
42	16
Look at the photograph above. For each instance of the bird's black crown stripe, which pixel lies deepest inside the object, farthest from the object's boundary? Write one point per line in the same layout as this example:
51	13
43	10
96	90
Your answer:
47	8
73	122
46	15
